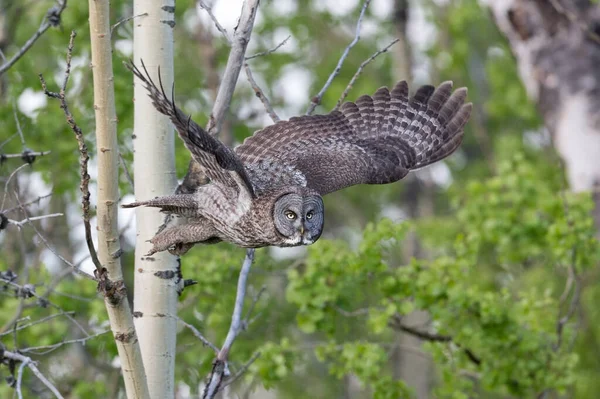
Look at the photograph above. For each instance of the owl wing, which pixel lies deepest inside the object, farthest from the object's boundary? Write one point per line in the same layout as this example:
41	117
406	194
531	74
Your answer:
217	161
376	140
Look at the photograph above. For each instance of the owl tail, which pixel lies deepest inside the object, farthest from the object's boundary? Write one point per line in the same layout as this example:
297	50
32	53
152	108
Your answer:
181	204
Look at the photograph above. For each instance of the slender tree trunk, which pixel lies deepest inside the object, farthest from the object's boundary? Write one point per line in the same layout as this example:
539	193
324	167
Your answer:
557	47
157	278
109	248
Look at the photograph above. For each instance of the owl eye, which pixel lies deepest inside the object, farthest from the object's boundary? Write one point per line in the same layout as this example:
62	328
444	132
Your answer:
309	215
290	215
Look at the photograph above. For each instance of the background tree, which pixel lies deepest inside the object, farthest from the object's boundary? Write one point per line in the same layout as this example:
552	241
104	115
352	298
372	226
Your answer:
496	256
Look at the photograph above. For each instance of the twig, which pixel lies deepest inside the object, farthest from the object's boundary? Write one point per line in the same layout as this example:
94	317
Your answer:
52	18
199	335
37	200
19	130
49	348
20	224
75	268
29	153
396	323
261	96
575	19
27	362
219	27
241	37
33	323
14	172
267	52
242	369
316	100
83	153
126	170
124	20
220	368
359	71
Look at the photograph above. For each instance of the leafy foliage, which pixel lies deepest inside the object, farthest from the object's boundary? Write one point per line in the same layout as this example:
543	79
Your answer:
496	249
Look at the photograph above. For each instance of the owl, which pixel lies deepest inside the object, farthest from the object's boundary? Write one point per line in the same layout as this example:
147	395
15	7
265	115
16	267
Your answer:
268	190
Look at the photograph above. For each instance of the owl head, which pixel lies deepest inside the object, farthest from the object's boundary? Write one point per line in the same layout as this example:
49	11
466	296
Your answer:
298	217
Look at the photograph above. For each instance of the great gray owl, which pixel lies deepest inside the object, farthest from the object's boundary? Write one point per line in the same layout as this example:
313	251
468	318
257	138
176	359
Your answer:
267	191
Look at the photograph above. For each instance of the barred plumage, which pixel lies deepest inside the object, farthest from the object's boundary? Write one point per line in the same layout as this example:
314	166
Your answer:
268	190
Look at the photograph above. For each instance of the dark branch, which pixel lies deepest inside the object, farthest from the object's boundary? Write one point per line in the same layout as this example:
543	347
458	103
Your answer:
83	153
52	18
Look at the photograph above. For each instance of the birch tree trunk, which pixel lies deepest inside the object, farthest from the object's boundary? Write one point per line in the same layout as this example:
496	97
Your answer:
109	250
557	47
157	278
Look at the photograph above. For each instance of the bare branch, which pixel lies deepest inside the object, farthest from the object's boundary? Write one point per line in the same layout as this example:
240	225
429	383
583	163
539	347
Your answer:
33	323
20	224
267	52
124	20
261	96
126	170
242	369
28	153
208	8
42	350
52	18
27	362
220	367
316	100
83	153
26	204
359	71
240	41
199	335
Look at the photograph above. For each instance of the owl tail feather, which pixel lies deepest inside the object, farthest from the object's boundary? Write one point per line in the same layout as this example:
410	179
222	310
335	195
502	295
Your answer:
181	204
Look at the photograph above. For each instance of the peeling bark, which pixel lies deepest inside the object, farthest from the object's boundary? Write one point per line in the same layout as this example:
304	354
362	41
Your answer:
557	47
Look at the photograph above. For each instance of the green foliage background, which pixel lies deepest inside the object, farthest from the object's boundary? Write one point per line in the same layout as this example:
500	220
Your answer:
495	248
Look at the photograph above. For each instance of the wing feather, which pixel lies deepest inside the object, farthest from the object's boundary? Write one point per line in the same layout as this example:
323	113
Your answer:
217	161
375	140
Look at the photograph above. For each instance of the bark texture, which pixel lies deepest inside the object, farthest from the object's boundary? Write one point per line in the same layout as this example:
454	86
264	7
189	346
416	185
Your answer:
557	47
157	278
109	249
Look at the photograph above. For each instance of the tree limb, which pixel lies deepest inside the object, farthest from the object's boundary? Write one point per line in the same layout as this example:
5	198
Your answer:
316	100
28	362
52	18
220	367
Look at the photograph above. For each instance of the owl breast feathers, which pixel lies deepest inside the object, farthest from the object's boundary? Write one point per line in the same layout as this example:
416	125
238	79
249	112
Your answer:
268	190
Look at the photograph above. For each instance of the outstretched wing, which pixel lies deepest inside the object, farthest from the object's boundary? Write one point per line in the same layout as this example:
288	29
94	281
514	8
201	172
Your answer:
376	140
217	161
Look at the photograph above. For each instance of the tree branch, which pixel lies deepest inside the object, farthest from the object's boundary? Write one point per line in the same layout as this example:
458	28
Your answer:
220	367
360	69
316	100
52	18
28	362
261	96
83	152
240	40
396	324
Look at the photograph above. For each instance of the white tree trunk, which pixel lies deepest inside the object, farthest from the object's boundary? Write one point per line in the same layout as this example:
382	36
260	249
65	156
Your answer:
557	47
157	278
109	250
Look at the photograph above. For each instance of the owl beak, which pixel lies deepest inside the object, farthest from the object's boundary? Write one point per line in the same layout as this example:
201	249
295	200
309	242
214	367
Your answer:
301	229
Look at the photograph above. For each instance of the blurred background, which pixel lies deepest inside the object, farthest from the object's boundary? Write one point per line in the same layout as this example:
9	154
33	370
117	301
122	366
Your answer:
475	277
